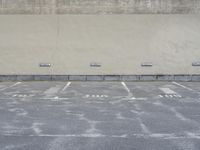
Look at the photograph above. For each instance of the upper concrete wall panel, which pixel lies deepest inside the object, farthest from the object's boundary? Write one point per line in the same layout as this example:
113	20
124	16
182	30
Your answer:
119	43
98	6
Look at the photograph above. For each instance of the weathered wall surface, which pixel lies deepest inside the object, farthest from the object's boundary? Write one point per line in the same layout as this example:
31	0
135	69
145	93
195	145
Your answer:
119	42
98	6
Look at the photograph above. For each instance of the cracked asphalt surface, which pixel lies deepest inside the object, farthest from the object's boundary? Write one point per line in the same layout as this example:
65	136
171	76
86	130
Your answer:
99	115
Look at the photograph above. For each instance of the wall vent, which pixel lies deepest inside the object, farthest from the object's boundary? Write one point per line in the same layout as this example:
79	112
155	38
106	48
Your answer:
44	65
95	64
196	63
147	64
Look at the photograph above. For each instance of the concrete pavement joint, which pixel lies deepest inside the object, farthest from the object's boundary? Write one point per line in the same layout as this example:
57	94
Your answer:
152	77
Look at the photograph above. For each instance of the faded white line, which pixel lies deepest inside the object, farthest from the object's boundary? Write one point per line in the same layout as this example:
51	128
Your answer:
36	128
183	86
126	88
42	98
176	113
145	130
179	115
10	86
139	98
56	98
66	86
185	135
52	91
167	91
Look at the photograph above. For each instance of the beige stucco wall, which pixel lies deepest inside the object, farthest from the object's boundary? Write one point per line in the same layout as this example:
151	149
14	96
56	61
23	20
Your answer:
119	42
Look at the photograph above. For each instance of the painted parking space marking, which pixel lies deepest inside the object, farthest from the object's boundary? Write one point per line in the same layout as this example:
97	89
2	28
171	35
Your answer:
10	86
130	94
23	95
95	96
93	116
139	98
66	86
127	89
55	98
183	86
170	96
52	93
125	86
96	90
52	90
187	90
168	93
145	90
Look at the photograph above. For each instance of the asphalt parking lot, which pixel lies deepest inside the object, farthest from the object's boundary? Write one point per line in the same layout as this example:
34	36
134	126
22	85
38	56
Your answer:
99	115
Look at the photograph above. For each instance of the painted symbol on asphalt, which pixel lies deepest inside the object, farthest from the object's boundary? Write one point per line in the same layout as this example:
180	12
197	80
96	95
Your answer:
170	96
169	93
95	96
23	95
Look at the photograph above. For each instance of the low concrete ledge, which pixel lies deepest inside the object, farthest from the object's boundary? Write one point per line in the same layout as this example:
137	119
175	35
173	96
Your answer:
60	78
130	77
165	77
42	77
196	78
8	77
112	77
182	78
77	78
94	78
147	77
25	78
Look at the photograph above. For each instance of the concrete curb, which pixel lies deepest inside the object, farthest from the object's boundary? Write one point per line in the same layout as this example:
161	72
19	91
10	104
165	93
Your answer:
183	78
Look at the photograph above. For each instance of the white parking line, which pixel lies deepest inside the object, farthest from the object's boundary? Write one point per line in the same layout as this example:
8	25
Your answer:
170	136
56	98
183	86
139	98
10	86
126	88
66	86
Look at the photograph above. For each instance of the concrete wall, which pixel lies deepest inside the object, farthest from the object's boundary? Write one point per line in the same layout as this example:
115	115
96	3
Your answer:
98	6
120	43
168	37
